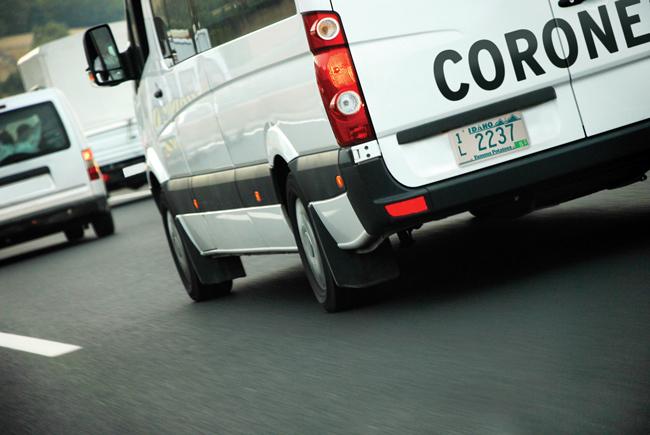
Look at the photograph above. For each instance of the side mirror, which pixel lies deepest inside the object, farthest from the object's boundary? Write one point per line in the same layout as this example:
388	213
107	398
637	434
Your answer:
106	64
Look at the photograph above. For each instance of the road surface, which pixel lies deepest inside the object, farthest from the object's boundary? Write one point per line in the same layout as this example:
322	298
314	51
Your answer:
538	325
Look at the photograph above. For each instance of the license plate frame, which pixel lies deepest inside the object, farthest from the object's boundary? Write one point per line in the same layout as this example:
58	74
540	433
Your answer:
489	139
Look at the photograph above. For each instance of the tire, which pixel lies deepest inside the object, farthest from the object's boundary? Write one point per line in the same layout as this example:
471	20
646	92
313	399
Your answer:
331	297
74	234
103	225
196	290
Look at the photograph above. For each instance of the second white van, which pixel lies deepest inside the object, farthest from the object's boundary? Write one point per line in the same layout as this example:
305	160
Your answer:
49	180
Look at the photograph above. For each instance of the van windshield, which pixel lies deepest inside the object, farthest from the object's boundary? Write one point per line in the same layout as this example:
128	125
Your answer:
31	132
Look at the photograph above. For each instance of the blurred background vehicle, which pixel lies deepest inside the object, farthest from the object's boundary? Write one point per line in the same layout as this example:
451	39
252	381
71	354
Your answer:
111	129
49	180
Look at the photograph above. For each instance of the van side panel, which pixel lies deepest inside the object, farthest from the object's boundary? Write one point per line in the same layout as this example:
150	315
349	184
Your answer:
266	80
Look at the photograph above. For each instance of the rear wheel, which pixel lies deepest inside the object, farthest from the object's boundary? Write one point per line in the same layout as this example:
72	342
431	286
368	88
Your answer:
332	297
75	233
103	225
196	290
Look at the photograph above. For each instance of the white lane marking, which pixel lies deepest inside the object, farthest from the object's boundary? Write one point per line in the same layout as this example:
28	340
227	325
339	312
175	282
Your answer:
37	346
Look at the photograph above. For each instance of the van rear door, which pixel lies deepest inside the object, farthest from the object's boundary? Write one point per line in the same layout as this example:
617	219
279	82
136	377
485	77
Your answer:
423	61
37	156
608	46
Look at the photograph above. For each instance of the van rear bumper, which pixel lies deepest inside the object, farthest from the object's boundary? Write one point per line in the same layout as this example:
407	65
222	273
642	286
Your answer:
609	160
51	221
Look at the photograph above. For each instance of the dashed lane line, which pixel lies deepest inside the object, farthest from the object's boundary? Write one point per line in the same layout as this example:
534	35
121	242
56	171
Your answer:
50	349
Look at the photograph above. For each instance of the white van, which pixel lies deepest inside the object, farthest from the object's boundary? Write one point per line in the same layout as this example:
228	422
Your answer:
49	181
324	127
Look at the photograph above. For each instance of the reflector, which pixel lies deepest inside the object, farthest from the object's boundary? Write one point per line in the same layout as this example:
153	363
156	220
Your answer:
409	207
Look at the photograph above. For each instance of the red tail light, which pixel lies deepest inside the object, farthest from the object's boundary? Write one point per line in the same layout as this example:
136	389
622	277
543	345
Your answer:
337	79
93	170
407	208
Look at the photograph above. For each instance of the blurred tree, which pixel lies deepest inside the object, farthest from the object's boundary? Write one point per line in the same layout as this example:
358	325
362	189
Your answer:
77	13
12	86
20	16
49	32
15	16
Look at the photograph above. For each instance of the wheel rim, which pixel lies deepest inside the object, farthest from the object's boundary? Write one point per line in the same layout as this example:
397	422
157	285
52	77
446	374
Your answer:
310	247
177	246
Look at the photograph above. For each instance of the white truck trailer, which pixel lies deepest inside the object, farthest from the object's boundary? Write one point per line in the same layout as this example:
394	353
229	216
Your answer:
107	115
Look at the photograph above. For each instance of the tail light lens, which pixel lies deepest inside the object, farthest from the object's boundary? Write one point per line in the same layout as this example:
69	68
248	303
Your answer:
91	166
407	208
337	79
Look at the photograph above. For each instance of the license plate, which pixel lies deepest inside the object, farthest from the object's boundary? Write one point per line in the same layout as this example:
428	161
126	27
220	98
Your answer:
489	139
132	170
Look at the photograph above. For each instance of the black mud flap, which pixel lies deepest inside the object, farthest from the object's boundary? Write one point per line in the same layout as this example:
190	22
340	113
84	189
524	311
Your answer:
351	269
212	270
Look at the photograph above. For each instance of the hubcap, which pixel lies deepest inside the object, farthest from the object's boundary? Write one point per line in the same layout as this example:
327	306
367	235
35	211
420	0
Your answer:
309	244
177	245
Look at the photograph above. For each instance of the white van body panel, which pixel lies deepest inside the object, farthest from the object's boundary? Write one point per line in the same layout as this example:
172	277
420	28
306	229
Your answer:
110	127
203	144
66	180
600	82
341	221
313	5
155	166
278	145
220	109
245	231
412	41
244	83
41	199
245	75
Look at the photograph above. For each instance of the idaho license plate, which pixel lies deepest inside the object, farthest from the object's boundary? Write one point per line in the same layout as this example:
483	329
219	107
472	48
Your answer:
489	139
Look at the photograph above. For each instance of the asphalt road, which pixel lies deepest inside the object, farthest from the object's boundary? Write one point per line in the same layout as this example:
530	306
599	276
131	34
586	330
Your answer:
539	325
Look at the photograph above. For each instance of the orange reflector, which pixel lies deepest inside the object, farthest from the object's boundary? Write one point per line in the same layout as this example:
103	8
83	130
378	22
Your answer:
196	203
258	196
408	207
340	182
87	154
